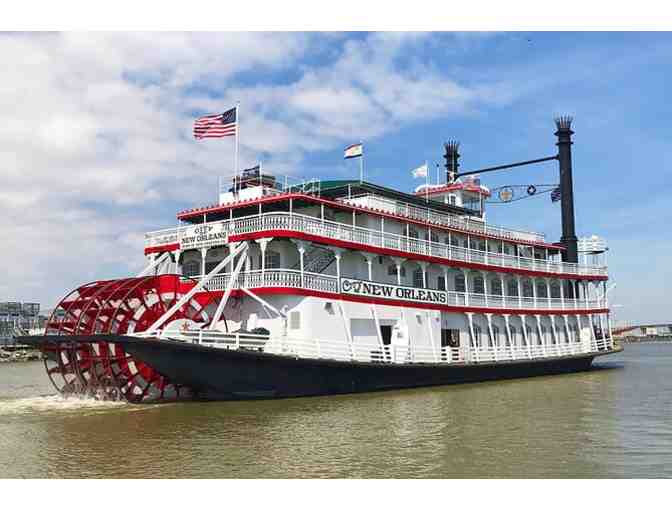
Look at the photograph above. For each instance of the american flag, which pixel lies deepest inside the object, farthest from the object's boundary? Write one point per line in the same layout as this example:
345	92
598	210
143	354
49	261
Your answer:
555	194
216	125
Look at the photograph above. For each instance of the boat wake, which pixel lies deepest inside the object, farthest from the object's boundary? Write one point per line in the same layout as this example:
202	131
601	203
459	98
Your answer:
57	404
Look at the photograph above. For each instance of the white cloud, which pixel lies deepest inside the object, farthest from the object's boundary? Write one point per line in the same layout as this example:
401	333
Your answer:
96	138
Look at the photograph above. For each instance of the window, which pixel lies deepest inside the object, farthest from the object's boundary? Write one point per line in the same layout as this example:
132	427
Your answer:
441	283
434	237
460	285
209	266
542	290
413	233
513	332
512	288
496	287
527	288
191	268
477	335
417	278
452	199
555	290
495	336
479	285
392	271
575	332
271	260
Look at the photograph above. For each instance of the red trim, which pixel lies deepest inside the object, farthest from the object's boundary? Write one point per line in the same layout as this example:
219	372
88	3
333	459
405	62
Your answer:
162	248
407	255
406	304
454	187
192	213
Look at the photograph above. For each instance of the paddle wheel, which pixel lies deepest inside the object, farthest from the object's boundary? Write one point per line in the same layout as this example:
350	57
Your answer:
101	368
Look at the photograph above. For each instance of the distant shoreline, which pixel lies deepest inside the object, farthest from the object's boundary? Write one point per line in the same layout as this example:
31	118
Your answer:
664	339
19	354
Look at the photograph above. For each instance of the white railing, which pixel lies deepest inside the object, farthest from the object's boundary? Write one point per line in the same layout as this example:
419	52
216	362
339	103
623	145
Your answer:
467	225
276	278
290	278
388	240
344	351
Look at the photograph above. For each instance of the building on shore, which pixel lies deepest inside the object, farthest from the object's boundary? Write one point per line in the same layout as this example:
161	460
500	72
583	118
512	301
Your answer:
18	319
642	332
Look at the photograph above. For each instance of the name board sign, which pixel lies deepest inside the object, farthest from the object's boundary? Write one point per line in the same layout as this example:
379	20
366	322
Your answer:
385	291
204	235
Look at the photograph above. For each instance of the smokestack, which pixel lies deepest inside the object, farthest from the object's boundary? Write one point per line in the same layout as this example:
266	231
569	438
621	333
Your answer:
451	157
564	133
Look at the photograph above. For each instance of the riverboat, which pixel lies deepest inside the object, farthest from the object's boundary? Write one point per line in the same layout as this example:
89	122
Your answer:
331	287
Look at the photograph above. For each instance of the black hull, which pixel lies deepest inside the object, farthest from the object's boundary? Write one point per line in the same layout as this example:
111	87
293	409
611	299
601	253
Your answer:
222	374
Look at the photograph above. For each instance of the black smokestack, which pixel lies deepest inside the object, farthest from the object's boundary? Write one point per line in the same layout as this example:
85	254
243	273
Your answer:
564	133
451	157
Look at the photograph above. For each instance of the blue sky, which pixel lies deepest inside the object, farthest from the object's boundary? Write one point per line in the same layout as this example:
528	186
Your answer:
113	156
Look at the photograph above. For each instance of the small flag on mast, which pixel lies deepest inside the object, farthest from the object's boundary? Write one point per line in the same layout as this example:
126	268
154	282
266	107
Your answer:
217	125
354	151
556	195
421	171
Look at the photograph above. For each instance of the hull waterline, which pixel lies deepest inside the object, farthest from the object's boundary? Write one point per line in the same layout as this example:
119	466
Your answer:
227	374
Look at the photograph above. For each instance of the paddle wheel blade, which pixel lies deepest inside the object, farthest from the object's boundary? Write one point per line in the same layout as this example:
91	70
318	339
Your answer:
101	368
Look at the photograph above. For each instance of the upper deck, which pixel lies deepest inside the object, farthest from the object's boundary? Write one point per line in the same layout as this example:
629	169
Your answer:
369	218
367	198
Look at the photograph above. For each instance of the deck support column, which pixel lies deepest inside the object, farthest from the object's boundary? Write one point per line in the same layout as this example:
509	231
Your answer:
493	344
555	335
542	337
520	292
263	243
534	292
508	334
423	267
204	253
398	261
474	348
525	337
369	262
338	252
568	337
466	286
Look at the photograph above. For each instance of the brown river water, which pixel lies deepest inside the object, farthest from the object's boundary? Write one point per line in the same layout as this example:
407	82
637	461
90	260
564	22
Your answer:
614	421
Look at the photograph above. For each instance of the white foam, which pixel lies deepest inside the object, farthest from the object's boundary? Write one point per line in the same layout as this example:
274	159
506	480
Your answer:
57	404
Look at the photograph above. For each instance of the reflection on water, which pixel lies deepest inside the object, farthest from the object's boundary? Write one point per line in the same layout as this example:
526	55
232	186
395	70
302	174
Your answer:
610	422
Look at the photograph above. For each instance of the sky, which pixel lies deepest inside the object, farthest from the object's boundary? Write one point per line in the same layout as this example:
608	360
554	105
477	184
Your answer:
96	145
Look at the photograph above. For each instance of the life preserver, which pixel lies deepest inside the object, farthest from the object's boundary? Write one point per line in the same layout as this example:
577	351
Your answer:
531	189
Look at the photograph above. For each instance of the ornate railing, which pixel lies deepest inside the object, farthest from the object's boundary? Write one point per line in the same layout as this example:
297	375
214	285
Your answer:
465	224
289	278
364	236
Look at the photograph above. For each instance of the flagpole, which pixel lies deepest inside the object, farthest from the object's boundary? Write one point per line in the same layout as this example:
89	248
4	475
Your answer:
237	185
426	182
361	164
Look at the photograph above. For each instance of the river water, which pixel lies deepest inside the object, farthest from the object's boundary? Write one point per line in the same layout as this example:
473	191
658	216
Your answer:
614	421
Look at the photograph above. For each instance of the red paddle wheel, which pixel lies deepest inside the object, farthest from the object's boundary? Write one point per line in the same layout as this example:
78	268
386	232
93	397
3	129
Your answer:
103	369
